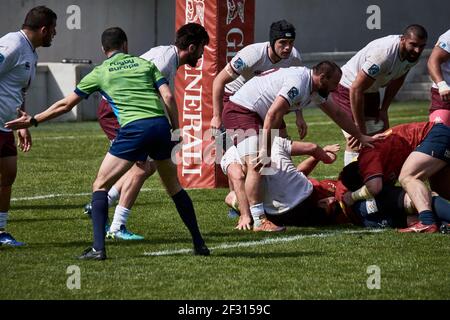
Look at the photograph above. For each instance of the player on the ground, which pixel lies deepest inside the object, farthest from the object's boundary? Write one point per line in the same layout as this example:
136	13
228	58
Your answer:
261	103
278	52
382	165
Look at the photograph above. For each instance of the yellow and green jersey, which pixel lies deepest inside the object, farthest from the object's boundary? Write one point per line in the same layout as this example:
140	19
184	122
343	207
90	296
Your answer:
129	83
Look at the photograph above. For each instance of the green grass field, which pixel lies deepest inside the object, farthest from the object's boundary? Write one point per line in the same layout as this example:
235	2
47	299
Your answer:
54	182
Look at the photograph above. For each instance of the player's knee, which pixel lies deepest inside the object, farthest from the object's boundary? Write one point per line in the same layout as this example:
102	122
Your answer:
405	179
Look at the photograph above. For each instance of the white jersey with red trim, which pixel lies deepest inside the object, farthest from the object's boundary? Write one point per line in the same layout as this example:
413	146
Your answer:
380	60
444	44
18	61
285	187
254	60
294	84
165	59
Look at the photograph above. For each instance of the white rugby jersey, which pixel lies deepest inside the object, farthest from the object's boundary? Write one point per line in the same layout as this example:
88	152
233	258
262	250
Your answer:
18	61
444	44
294	84
253	60
286	187
380	60
166	60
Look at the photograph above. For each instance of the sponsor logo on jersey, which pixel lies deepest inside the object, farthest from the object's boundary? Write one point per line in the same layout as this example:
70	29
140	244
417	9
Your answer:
27	65
374	69
292	93
238	64
2	58
442	45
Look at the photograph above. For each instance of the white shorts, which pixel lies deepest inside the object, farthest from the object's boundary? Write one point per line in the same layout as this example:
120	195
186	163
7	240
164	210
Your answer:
231	156
248	146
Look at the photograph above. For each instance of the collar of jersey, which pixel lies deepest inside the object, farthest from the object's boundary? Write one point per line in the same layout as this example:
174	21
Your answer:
28	40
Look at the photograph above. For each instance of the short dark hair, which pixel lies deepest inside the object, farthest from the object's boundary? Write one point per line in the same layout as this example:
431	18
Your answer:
327	67
113	38
39	17
191	33
351	177
416	30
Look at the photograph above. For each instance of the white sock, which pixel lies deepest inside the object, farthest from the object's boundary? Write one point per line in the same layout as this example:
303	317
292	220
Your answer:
349	156
120	218
257	212
113	196
3	220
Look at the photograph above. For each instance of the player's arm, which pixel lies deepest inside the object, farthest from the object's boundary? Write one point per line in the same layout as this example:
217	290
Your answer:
328	154
58	108
359	86
225	76
301	124
24	136
345	122
273	120
437	58
171	106
389	95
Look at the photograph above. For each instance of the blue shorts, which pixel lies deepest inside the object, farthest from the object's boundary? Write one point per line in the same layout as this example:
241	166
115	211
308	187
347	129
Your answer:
144	138
437	143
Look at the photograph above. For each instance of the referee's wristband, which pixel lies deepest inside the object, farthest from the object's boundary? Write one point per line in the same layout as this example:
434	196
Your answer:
443	86
33	122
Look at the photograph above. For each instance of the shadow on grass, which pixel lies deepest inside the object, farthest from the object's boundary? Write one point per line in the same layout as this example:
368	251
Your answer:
49	207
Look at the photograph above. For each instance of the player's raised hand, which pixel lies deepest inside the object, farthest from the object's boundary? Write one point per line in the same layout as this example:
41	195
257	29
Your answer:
22	121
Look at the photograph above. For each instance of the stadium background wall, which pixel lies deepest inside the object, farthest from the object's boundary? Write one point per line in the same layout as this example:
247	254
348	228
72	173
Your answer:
325	29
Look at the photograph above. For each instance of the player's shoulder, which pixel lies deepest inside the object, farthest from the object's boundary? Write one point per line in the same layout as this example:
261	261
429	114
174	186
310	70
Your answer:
446	35
11	42
256	50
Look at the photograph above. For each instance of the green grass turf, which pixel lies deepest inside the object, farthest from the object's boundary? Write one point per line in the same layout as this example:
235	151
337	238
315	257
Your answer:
64	161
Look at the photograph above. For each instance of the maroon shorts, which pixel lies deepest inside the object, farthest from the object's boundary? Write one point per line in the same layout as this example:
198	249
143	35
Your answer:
7	145
436	102
107	119
235	117
371	101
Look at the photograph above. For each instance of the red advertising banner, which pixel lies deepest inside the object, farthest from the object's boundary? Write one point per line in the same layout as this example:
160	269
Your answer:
230	25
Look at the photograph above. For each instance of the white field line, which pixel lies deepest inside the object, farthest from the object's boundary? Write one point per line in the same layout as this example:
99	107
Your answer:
264	242
97	136
69	195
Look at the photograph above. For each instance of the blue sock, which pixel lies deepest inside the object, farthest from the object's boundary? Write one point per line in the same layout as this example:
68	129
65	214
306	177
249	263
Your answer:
99	217
186	211
427	217
441	208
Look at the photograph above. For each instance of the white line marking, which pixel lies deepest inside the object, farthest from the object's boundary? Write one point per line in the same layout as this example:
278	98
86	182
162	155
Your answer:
97	136
70	195
264	242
